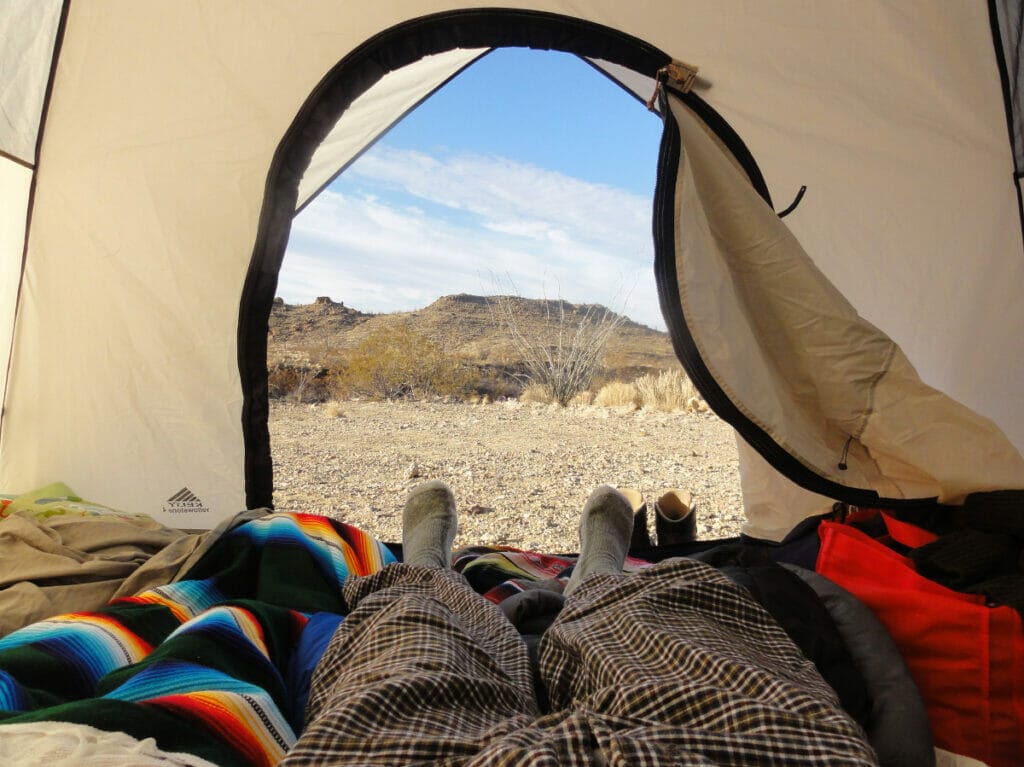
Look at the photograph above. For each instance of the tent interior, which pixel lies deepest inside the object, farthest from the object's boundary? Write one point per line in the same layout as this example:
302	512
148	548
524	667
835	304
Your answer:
865	348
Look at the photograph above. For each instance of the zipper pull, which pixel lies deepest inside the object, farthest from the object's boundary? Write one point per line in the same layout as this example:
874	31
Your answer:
678	75
843	466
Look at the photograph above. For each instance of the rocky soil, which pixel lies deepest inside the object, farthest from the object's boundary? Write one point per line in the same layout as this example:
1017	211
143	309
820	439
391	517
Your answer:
520	472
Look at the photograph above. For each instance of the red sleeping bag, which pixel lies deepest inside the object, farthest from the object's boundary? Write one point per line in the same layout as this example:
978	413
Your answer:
967	658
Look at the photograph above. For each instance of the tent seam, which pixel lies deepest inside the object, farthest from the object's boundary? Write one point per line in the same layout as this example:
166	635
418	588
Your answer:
58	44
16	160
876	380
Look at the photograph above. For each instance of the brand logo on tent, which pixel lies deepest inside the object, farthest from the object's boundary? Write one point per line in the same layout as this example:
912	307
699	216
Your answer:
184	502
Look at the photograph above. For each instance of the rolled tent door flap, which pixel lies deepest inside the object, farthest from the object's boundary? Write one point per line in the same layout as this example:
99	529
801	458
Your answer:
823	395
376	111
28	29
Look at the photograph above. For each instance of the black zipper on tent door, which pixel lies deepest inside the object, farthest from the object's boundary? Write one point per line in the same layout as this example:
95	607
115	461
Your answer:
682	339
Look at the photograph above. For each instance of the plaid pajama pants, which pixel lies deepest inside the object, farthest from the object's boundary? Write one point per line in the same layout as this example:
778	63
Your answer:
674	665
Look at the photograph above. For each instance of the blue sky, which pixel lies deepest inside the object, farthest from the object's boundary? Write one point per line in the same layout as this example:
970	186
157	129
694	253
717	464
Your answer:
529	173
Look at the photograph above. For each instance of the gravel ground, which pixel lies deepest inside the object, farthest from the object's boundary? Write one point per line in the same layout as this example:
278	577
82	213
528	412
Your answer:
520	472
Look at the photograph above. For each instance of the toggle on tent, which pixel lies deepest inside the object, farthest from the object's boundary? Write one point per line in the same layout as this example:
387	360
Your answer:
865	341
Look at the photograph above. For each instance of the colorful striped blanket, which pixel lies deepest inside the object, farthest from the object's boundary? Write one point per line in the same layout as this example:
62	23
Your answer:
210	665
218	664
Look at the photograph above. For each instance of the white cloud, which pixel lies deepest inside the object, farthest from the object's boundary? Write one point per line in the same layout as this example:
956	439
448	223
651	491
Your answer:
406	228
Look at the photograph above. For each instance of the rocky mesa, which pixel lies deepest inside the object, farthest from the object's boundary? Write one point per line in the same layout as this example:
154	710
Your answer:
466	326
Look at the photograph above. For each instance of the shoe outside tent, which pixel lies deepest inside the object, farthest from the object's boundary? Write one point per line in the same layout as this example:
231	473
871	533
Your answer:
837	226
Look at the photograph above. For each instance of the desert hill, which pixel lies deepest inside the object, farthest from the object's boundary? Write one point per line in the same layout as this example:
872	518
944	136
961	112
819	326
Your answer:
309	336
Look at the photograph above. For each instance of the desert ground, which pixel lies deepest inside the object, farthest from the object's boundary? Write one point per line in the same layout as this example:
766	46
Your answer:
520	472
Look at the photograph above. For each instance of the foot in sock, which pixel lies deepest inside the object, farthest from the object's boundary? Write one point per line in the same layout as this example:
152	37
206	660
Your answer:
605	529
429	523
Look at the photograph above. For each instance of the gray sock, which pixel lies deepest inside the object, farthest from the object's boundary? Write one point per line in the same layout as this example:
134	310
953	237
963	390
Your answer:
605	528
429	523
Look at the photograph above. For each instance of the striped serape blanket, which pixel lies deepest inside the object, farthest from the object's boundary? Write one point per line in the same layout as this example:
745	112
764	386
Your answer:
499	572
210	665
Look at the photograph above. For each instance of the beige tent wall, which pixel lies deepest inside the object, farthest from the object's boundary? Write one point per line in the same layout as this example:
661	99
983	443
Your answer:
15	181
166	115
772	504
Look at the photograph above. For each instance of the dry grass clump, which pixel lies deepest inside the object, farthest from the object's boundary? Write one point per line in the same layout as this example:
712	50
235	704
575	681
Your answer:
535	392
333	409
583	399
618	394
669	391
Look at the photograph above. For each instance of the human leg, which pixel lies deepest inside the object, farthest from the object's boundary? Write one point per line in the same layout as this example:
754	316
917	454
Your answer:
423	670
605	529
676	664
429	524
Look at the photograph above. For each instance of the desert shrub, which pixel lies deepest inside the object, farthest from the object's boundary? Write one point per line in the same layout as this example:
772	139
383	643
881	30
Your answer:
567	366
495	383
618	394
395	362
281	380
670	390
336	382
296	382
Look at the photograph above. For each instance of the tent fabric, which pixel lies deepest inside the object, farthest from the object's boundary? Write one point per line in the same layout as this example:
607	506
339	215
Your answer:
1009	26
25	61
166	180
397	93
772	503
795	357
15	183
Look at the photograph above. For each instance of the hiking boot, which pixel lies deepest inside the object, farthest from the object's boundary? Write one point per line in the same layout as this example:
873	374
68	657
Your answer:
640	538
675	518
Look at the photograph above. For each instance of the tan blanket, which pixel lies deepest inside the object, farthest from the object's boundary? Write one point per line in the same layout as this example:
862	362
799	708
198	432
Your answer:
66	563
